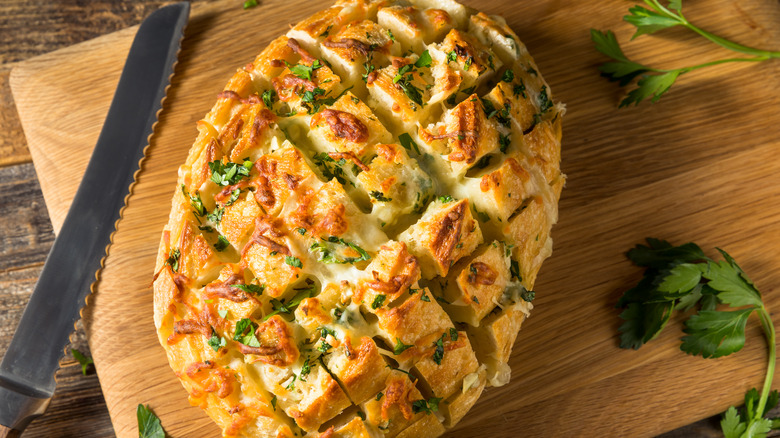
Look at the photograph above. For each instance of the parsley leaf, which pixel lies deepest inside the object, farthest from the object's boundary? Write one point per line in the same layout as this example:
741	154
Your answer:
713	333
195	201
400	347
679	277
173	259
268	97
426	406
503	143
408	143
83	360
222	243
228	174
648	21
148	424
216	342
379	196
304	71
253	289
379	300
280	307
293	261
508	76
438	353
424	60
327	256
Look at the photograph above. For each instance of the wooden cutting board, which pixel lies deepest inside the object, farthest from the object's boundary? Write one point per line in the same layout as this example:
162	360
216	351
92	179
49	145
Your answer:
701	165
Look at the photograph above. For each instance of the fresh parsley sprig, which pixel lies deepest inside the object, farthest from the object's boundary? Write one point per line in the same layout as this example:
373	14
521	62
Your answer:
148	423
654	82
679	278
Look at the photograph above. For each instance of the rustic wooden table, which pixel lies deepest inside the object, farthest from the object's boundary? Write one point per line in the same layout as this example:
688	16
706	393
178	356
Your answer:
29	28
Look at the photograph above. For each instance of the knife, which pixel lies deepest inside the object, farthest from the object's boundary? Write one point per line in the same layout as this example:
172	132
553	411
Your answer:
27	370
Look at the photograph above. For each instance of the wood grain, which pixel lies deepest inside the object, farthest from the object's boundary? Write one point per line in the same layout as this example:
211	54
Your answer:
700	165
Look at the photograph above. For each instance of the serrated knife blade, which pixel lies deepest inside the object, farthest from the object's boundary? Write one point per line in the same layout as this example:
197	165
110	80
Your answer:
27	370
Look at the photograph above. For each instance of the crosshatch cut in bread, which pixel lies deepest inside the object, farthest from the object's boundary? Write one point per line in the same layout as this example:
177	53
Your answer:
355	235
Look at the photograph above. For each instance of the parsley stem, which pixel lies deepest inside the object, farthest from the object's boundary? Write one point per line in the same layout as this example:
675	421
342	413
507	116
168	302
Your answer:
721	61
769	332
723	42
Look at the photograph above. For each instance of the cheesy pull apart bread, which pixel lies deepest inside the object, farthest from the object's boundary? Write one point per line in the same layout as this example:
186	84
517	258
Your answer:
355	235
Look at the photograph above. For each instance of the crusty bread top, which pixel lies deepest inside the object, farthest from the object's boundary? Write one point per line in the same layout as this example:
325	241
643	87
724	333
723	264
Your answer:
358	227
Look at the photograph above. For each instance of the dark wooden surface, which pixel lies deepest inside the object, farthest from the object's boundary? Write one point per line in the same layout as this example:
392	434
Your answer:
29	28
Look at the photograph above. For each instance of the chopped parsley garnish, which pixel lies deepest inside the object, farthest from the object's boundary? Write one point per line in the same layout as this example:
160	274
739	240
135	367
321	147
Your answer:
379	300
293	261
305	71
280	307
305	370
508	76
379	396
503	142
195	201
273	402
404	80
311	96
250	4
514	269
475	299
452	56
291	386
483	162
228	174
173	259
149	425
327	256
245	333
527	295
502	115
324	347
223	313
379	196
268	97
424	297
453	334
250	288
216	215
222	243
330	167
400	347
408	143
441	300
544	102
481	215
445	198
390	34
233	197
327	31
362	415
83	360
313	104
426	406
424	60
438	353
519	89
216	342
324	332
301	231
